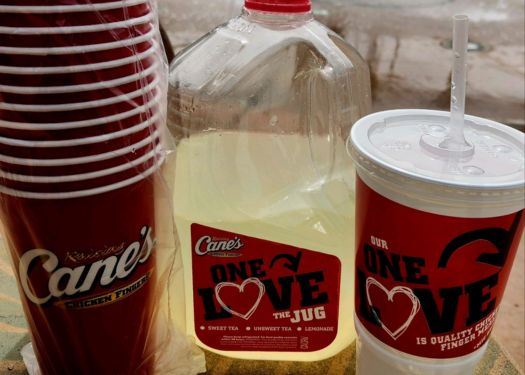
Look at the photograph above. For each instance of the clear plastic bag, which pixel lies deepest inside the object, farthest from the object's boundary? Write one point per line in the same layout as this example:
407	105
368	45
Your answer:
84	202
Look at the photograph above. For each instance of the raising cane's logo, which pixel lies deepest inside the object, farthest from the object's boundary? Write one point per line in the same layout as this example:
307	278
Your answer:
219	247
65	281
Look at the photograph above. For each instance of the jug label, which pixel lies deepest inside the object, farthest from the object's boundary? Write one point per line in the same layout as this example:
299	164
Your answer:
426	284
256	295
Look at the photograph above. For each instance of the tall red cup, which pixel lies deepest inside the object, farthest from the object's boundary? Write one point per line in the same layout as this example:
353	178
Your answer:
86	269
436	236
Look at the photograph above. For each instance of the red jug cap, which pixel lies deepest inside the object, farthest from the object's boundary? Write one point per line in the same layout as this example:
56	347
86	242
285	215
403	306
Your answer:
279	6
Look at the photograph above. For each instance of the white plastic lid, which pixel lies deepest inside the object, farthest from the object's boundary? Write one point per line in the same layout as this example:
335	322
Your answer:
407	142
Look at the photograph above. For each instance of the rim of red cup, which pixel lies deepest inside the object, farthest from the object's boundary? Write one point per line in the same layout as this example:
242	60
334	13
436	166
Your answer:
83	176
82	159
99	85
9	30
81	141
73	8
68	69
87	192
82	105
60	187
39	51
83	123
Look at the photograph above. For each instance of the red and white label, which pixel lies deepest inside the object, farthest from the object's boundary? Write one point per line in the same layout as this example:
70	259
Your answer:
257	295
426	284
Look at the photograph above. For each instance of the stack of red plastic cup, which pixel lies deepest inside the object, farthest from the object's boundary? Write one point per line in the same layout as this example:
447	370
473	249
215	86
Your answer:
81	84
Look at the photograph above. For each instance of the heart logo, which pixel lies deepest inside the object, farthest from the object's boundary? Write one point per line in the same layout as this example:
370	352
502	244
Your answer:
416	305
240	289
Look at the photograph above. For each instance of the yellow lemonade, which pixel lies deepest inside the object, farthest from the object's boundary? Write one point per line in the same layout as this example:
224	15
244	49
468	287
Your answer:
292	189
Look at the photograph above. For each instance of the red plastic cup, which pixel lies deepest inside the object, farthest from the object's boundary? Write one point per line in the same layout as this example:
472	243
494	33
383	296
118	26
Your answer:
79	68
75	39
68	19
32	95
36	114
87	273
73	165
69	131
76	55
93	180
94	77
79	147
133	164
79	129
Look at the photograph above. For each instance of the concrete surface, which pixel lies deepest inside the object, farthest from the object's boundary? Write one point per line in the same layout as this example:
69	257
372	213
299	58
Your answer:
408	49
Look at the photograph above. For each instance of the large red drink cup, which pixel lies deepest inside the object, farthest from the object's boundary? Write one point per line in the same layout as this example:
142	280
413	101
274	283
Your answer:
437	231
87	276
80	152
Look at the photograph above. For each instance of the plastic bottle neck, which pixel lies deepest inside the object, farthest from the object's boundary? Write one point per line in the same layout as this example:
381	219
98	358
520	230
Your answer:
277	19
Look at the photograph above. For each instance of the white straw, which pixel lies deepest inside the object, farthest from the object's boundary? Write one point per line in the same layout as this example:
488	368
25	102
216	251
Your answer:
459	82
